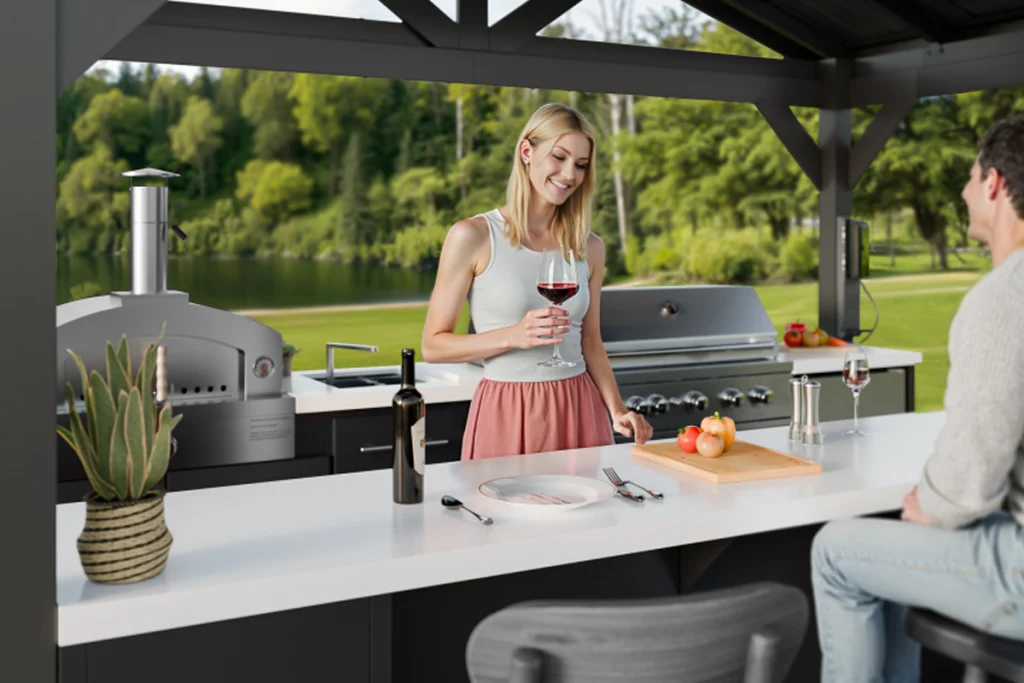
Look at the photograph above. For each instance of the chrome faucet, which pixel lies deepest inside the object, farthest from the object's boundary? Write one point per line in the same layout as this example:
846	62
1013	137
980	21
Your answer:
338	345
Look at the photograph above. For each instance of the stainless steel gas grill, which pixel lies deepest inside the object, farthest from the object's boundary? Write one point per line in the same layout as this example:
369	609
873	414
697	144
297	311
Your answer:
224	370
682	353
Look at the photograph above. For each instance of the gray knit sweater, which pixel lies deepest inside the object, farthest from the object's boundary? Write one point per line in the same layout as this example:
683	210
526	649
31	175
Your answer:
977	465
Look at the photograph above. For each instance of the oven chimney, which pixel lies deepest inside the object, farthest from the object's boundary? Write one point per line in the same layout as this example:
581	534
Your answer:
149	213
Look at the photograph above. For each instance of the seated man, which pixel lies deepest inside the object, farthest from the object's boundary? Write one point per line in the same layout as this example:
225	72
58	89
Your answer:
959	550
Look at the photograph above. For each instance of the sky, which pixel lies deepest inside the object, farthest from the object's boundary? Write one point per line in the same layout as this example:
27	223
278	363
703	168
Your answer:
583	15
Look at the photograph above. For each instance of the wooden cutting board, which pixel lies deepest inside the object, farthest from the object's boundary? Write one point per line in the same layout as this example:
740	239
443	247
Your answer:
742	462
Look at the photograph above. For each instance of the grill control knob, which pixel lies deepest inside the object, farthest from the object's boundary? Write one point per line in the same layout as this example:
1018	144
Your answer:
658	403
691	400
761	394
731	397
638	405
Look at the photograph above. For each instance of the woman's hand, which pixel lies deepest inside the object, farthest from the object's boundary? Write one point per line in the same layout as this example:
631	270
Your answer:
632	424
912	510
536	327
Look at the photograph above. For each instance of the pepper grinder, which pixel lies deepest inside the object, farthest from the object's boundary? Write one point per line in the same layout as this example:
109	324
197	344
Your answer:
796	422
812	427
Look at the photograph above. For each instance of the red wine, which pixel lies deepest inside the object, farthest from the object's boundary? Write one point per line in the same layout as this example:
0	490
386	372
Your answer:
857	378
557	292
409	440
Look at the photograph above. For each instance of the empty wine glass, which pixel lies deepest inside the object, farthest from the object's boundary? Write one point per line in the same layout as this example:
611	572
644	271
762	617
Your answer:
856	375
557	282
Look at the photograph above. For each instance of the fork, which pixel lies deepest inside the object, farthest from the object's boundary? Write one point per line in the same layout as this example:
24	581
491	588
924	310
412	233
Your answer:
615	479
619	485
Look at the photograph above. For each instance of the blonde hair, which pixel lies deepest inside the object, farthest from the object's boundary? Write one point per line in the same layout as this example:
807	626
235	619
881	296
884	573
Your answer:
571	223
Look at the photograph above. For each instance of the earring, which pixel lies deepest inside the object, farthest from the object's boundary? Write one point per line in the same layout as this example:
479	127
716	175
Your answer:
526	161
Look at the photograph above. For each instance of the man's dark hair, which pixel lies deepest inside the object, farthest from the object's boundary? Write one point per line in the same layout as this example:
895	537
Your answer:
1002	148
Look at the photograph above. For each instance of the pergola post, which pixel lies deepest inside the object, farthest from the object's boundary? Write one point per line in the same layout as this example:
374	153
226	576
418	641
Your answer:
838	304
28	447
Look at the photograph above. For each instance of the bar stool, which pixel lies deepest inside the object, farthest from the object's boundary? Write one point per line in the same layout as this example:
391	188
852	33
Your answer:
981	653
750	633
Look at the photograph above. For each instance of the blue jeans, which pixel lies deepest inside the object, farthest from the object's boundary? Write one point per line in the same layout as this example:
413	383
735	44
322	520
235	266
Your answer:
867	571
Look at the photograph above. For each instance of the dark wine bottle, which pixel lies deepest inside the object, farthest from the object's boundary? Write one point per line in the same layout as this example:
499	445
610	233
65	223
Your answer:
409	441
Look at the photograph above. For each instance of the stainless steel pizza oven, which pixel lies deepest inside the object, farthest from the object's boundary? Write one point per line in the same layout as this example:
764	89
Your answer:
224	369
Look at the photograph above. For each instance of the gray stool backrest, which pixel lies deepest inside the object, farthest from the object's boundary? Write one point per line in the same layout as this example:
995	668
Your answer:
748	634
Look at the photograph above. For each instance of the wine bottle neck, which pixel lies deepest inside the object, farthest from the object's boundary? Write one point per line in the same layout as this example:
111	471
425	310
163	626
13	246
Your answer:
408	370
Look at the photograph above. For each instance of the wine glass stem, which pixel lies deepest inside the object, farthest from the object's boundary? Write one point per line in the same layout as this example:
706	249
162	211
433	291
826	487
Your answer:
555	354
856	403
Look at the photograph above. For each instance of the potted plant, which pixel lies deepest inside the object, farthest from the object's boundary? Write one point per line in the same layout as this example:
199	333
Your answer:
124	447
289	352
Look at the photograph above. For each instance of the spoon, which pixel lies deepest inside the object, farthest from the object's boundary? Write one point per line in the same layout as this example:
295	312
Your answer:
453	503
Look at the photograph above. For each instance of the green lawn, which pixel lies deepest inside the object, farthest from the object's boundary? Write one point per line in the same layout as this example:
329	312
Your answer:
915	313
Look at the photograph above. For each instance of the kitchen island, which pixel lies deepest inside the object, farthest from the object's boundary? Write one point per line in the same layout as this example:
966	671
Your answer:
326	579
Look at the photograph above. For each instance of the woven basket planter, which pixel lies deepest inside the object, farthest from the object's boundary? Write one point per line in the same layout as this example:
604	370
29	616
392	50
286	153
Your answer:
124	542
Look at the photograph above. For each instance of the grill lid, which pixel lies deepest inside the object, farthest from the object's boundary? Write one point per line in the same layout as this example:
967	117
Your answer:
697	318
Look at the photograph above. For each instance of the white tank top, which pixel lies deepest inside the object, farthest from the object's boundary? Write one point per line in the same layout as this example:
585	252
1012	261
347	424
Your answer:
506	290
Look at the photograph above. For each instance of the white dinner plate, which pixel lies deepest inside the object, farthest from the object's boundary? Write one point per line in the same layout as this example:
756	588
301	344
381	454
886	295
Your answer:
547	492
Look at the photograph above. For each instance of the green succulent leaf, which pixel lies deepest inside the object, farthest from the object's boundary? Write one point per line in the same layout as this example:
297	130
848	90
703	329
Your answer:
105	412
117	378
119	449
160	454
85	385
79	442
124	355
144	383
137	444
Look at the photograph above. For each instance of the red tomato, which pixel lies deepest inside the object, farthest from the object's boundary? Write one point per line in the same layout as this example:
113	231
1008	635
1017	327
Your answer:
687	439
793	338
796	327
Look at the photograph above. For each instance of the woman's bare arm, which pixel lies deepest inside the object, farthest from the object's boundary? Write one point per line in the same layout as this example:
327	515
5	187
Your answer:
464	254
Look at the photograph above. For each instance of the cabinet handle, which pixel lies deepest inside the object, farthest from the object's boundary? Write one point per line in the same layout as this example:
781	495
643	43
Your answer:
378	449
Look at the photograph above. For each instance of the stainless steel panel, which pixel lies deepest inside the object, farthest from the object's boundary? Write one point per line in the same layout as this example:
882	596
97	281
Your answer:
886	394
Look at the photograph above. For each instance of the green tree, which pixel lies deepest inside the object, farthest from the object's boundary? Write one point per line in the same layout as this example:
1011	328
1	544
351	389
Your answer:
275	189
197	136
115	120
93	201
265	105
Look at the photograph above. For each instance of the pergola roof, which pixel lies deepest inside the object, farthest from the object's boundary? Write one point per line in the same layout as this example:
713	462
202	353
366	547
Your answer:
837	54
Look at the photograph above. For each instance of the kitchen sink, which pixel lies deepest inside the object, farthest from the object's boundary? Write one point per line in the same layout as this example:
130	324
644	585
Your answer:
367	380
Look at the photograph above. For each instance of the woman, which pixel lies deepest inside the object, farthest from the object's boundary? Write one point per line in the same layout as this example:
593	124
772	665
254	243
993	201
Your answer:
494	259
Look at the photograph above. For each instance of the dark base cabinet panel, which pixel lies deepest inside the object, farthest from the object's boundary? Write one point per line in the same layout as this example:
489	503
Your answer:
885	394
234	475
324	643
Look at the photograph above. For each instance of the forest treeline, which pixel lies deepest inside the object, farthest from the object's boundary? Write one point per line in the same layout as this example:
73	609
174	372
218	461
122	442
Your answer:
376	170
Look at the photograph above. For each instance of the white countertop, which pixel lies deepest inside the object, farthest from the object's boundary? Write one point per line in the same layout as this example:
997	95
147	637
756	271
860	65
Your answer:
443	383
246	550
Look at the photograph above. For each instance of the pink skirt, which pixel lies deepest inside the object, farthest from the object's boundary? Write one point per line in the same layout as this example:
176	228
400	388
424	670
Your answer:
514	418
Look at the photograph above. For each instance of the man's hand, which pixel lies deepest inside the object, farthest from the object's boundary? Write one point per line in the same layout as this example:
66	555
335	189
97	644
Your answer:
912	509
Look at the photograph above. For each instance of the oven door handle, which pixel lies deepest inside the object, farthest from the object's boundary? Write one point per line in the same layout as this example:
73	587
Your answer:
380	449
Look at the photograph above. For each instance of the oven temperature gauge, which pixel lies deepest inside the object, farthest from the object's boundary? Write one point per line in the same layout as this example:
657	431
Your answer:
263	367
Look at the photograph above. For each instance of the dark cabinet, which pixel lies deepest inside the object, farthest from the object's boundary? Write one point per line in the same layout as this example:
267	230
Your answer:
361	439
322	643
250	473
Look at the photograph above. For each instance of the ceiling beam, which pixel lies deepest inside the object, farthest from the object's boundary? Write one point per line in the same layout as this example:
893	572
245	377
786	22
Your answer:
778	21
86	29
918	19
471	16
981	63
426	20
255	39
753	29
522	24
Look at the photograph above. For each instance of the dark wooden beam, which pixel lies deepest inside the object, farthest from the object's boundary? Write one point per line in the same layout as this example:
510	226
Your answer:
254	39
471	16
917	18
878	132
795	137
86	29
522	24
770	16
752	28
28	278
979	63
426	20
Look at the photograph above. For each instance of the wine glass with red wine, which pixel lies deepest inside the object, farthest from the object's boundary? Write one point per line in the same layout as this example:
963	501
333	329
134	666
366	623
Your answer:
856	375
557	282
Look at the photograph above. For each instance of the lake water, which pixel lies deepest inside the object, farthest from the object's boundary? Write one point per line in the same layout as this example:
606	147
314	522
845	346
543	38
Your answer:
235	284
